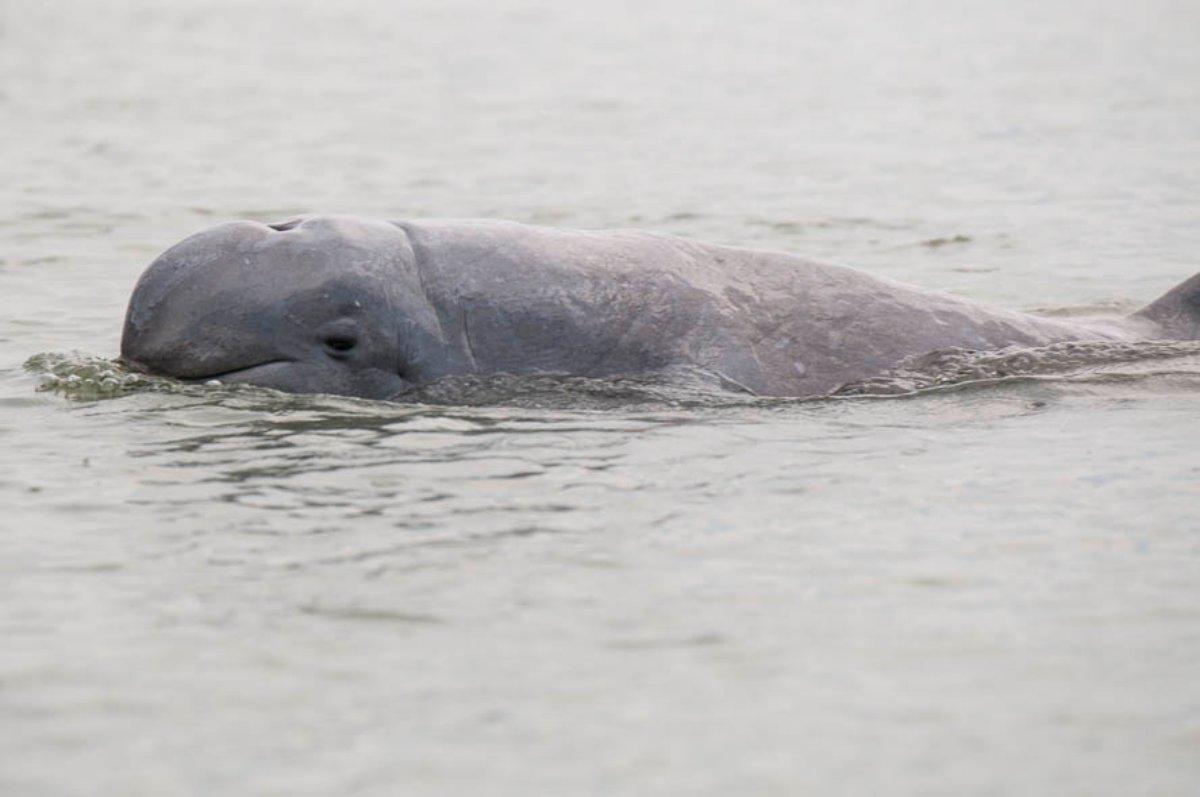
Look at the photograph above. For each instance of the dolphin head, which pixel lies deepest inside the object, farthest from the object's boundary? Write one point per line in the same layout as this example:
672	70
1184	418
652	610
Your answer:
322	304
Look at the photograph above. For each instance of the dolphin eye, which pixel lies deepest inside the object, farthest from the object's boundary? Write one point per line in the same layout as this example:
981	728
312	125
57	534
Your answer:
340	338
340	342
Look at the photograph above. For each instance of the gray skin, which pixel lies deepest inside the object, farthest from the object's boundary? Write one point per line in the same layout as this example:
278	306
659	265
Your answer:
360	307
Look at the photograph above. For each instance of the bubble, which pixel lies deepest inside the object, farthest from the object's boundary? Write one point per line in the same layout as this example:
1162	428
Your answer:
84	377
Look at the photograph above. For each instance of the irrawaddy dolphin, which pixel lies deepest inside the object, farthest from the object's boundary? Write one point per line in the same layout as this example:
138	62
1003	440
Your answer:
369	308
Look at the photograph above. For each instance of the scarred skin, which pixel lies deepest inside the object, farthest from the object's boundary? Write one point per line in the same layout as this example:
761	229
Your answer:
369	308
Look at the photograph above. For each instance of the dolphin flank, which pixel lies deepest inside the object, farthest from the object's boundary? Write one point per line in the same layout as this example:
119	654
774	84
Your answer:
371	308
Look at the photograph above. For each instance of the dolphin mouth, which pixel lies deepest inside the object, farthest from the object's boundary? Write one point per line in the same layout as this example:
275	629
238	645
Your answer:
232	372
142	368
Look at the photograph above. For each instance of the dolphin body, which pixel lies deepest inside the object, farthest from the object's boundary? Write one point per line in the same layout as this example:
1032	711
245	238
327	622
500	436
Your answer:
369	308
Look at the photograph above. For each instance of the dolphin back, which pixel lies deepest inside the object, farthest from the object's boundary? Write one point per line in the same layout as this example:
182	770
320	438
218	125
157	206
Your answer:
1177	311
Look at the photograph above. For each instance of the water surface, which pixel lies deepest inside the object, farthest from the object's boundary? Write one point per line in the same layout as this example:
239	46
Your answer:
990	589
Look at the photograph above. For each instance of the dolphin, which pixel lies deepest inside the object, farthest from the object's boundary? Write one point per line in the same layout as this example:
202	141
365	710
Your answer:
370	308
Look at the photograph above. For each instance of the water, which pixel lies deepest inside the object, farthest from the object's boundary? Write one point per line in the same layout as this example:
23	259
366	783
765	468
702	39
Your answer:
985	588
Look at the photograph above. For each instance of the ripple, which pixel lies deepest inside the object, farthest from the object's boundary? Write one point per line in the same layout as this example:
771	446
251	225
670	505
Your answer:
368	614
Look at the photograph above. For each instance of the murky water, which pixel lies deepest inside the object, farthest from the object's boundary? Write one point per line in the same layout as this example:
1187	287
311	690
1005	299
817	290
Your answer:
984	589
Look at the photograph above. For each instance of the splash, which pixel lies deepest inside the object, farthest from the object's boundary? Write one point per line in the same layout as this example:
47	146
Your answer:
1096	360
684	388
82	377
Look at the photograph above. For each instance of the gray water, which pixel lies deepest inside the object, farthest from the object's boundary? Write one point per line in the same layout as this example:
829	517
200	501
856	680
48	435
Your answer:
982	588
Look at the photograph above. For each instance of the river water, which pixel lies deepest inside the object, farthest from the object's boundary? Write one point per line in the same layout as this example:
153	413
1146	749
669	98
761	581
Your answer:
992	588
